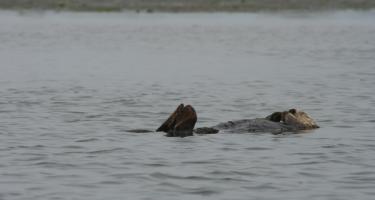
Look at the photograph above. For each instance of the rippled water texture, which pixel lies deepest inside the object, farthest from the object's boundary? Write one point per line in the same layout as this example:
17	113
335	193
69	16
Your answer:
72	84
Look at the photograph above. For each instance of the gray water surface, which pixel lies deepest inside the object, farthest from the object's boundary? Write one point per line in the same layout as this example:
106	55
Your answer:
72	84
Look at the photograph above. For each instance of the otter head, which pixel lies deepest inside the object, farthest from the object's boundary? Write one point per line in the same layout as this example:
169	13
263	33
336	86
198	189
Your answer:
275	117
284	115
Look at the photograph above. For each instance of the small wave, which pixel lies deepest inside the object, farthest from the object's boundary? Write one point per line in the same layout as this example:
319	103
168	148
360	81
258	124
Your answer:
233	173
111	182
362	179
202	191
139	131
228	149
313	175
257	148
54	164
31	147
155	164
94	116
330	146
64	103
264	186
106	151
306	163
197	162
309	154
363	173
81	185
343	126
160	175
72	147
130	175
121	101
34	189
14	174
87	140
76	112
169	185
72	120
36	158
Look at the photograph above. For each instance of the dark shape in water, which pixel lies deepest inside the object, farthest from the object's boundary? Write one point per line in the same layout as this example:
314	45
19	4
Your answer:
139	131
206	130
182	120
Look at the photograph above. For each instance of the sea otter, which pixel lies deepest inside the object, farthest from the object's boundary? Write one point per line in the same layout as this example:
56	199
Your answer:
182	121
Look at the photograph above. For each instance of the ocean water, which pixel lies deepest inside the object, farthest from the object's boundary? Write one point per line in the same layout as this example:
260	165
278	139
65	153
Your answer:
72	84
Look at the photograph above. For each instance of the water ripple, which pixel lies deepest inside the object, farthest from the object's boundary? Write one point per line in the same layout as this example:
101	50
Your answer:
74	109
106	151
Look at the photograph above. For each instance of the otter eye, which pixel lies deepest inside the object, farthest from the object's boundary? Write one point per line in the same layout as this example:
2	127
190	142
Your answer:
293	111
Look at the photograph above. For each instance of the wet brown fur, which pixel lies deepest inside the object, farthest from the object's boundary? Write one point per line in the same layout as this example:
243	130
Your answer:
295	118
299	119
181	122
